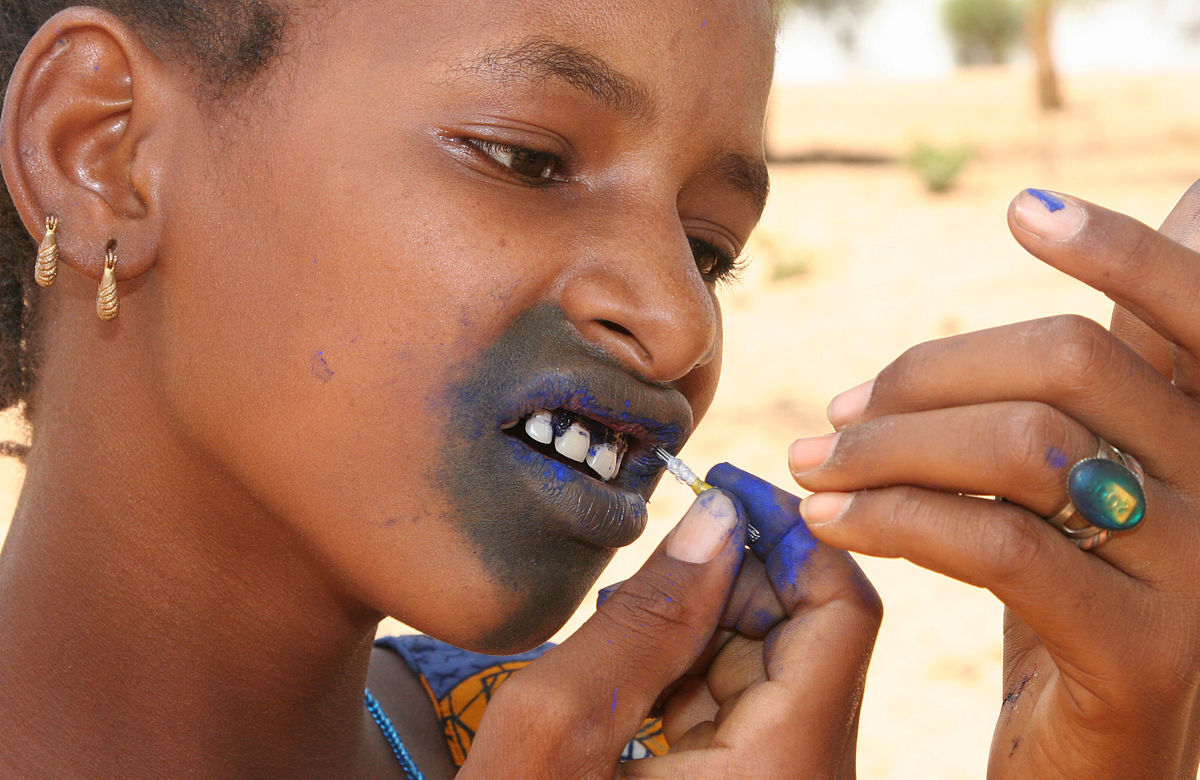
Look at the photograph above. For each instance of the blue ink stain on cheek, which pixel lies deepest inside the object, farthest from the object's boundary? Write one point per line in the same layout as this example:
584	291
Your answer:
1049	200
319	367
1055	457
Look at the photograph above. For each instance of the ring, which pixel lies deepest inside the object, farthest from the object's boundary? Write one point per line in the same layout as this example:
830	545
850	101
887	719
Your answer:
1105	494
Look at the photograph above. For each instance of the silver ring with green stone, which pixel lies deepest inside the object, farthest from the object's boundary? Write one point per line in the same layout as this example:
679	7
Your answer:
1105	494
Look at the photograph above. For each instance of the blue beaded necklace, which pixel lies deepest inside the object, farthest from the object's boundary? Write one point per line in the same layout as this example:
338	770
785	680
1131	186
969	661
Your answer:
393	738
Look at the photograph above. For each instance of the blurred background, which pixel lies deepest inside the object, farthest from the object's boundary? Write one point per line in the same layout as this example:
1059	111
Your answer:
899	131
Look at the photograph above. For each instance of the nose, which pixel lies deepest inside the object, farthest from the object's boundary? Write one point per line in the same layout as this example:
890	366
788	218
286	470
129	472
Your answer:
640	298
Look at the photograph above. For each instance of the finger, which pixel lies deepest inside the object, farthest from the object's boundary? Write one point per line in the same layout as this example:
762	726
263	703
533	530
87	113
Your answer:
1068	362
753	608
689	705
1020	450
1023	451
1182	226
814	661
802	572
771	510
800	722
1083	610
571	712
1154	278
1142	339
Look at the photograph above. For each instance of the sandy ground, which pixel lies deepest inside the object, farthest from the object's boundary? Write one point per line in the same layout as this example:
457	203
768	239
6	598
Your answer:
887	265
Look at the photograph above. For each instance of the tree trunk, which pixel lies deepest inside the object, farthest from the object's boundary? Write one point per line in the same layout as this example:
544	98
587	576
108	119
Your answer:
1038	24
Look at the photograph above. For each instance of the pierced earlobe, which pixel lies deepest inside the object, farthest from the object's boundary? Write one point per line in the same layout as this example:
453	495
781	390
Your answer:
46	267
107	303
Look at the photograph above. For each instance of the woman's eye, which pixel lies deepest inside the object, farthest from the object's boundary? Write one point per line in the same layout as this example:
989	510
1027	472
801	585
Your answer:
527	163
715	263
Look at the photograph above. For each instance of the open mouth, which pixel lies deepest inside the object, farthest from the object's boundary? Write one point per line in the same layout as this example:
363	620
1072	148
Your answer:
586	445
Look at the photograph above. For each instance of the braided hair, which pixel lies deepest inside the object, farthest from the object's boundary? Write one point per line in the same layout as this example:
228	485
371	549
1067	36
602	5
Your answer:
229	42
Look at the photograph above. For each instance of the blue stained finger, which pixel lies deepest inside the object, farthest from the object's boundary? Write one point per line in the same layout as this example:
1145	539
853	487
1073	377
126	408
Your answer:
603	594
773	511
788	561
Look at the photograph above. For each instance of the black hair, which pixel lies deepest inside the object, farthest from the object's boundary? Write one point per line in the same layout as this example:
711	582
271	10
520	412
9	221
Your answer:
229	42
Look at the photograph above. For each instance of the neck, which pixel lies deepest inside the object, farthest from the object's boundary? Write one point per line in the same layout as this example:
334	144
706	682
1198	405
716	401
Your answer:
152	615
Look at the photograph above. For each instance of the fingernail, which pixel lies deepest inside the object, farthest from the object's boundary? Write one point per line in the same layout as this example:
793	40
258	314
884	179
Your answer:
822	508
704	530
1048	214
807	454
850	405
603	594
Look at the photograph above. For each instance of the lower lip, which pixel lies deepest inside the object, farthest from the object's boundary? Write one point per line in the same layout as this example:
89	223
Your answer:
599	513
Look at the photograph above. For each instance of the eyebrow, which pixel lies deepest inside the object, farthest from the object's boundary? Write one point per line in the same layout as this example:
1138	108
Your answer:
746	173
540	57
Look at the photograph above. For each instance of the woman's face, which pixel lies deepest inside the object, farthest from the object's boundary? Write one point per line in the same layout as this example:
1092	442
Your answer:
441	254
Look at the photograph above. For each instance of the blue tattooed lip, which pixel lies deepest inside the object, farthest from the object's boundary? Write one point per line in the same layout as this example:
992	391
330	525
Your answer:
536	514
606	504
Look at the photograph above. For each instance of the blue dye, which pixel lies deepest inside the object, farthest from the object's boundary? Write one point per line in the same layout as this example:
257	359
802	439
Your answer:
786	545
773	511
789	558
320	367
762	621
1016	691
605	592
614	700
1056	457
1049	200
704	24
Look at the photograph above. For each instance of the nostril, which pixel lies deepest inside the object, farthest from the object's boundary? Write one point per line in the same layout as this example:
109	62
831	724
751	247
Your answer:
617	327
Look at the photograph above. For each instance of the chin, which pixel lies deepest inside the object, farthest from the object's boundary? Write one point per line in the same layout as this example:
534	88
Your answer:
563	575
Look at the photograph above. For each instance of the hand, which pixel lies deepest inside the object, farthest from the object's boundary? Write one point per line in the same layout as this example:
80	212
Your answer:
1102	648
757	668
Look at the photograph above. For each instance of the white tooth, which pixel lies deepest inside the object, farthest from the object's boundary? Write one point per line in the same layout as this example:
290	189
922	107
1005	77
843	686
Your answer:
574	442
540	427
604	460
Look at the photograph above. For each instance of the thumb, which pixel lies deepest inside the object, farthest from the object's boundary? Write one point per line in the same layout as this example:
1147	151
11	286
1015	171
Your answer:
1182	226
572	712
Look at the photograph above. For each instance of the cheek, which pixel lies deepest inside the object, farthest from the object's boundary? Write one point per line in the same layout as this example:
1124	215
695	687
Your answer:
307	364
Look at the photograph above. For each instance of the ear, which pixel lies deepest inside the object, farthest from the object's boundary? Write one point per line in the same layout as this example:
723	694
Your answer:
82	107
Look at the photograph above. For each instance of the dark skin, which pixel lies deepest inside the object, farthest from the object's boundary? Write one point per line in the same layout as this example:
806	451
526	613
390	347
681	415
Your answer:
1101	649
232	482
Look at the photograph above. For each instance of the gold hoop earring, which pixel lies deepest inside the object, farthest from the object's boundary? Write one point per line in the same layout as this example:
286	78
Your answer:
107	303
46	267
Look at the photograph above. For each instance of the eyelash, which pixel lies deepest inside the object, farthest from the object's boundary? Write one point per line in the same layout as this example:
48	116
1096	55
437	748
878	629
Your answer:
724	267
506	156
716	264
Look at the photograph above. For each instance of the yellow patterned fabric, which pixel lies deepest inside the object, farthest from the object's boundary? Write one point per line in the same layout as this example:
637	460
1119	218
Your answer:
460	684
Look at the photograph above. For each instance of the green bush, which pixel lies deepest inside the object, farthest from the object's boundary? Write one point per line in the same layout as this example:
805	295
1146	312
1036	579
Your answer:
938	166
983	31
